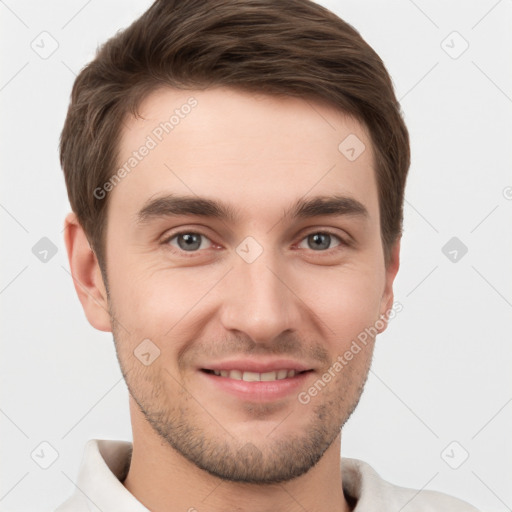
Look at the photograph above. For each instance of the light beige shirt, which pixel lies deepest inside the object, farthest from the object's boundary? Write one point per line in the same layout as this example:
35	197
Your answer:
105	463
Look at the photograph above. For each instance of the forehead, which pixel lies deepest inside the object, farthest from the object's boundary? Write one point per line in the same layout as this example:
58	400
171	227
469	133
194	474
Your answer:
257	152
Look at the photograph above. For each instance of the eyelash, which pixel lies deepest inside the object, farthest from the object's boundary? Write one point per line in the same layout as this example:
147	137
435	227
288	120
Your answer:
190	254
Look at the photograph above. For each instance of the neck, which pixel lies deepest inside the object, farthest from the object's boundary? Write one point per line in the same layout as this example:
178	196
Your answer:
163	480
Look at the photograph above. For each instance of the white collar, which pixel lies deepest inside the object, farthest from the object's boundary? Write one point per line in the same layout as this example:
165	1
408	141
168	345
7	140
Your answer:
105	463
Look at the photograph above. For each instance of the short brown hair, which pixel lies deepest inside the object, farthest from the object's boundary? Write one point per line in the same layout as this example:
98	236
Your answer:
277	47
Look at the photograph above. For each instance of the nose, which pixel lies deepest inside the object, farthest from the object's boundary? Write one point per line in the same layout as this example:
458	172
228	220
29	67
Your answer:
259	299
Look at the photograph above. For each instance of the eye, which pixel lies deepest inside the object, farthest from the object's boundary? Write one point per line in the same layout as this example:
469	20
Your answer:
188	241
320	241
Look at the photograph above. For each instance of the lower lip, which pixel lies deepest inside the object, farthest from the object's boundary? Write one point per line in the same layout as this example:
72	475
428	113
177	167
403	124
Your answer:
258	391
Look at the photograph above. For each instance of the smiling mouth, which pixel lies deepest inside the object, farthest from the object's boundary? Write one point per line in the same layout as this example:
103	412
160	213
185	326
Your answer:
248	376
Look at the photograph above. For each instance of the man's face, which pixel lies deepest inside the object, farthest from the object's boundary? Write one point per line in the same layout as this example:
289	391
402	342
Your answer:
248	312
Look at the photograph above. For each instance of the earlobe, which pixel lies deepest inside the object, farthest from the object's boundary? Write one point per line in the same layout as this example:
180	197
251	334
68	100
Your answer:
388	294
86	274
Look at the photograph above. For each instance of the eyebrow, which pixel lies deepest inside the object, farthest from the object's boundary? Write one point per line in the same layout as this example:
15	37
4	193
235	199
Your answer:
172	205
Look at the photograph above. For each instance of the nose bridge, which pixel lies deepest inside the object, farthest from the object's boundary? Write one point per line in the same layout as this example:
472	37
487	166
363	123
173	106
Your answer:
258	301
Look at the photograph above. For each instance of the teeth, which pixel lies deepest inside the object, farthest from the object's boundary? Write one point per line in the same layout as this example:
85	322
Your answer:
282	374
255	376
251	376
235	374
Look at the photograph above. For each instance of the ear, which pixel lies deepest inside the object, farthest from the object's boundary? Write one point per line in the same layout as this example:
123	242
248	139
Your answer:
386	303
86	274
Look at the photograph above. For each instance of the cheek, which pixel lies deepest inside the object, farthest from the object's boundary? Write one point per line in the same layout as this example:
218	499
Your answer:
157	302
346	299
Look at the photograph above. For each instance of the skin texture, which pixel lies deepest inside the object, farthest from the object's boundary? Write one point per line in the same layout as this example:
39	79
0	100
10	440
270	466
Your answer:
196	445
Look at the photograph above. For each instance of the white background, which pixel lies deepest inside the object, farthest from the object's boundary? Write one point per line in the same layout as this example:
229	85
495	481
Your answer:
441	371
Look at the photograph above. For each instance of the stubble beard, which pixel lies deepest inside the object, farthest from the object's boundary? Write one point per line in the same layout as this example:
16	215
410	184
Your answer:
282	457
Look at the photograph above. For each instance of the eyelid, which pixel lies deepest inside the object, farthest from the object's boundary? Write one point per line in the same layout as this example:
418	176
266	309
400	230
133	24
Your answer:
198	229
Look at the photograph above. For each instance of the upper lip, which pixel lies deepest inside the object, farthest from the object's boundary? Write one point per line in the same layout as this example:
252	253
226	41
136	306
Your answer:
257	366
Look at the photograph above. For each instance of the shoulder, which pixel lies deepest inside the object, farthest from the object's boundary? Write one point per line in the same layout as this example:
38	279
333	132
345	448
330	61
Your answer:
372	492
